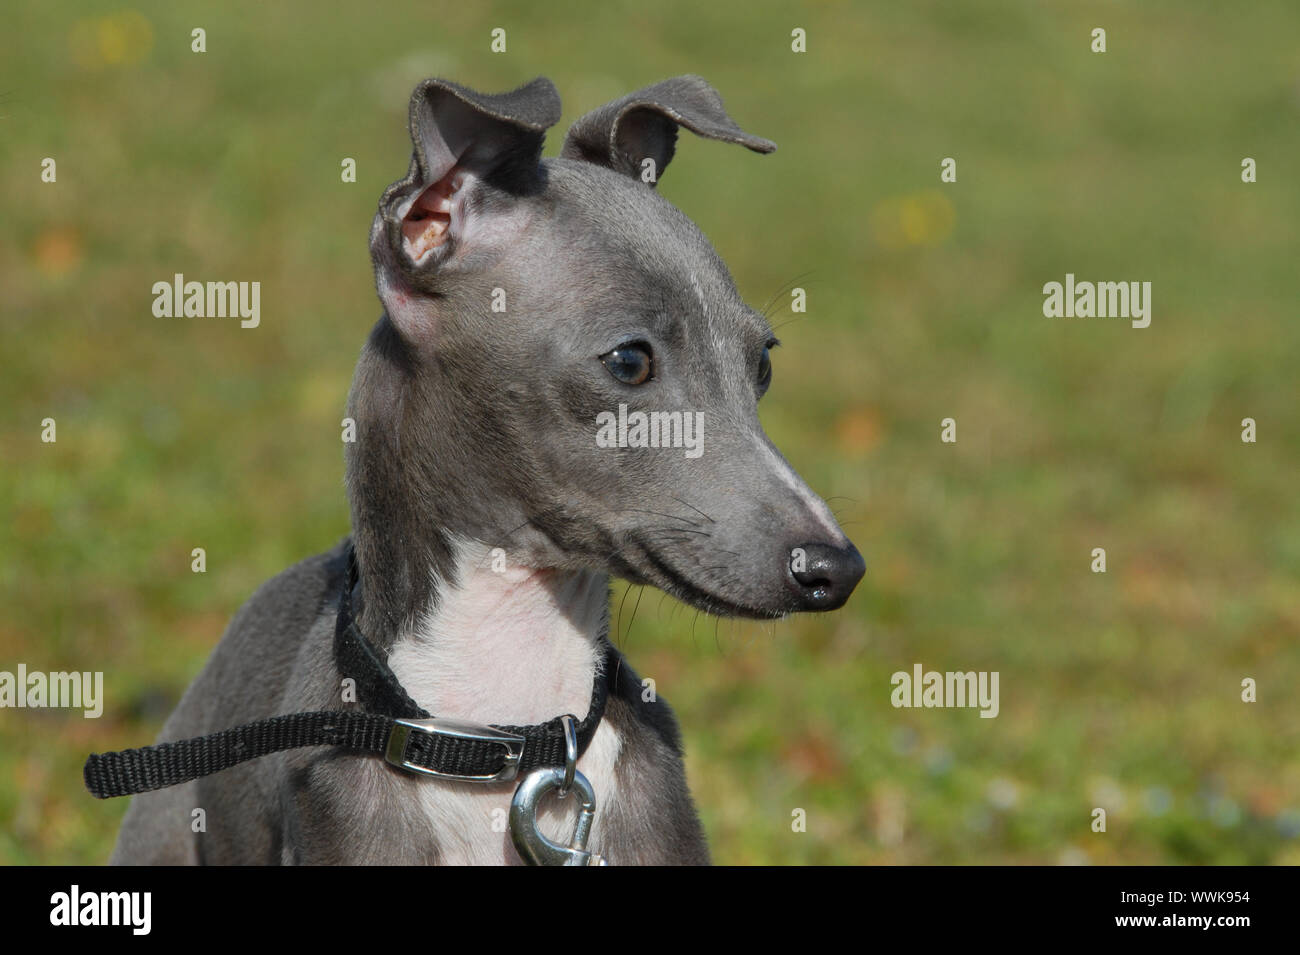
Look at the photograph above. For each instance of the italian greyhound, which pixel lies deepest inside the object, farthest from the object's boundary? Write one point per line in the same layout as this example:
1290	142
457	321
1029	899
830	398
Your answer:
544	322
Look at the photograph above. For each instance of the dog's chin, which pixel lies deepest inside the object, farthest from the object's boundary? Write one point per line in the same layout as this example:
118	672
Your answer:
654	571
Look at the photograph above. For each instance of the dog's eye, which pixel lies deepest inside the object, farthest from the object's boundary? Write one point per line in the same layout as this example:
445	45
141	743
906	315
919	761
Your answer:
631	363
765	366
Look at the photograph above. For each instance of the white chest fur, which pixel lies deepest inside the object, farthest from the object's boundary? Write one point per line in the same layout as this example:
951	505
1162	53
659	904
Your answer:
516	646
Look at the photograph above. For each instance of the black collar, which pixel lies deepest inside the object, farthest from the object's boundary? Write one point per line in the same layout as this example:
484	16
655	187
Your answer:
392	726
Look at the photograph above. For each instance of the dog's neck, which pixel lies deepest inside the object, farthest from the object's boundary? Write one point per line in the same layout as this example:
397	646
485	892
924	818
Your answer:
468	634
504	645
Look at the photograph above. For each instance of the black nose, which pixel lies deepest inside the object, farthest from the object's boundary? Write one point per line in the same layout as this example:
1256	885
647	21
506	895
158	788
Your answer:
824	576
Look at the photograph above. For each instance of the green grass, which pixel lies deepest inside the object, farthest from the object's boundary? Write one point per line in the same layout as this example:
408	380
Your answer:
1119	690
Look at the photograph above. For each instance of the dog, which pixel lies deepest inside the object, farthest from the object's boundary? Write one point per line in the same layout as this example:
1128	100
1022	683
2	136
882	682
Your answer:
539	318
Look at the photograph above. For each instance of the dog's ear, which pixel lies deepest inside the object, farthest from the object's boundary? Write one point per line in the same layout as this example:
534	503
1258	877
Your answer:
636	135
458	134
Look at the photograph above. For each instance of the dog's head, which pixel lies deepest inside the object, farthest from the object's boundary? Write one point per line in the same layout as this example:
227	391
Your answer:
565	368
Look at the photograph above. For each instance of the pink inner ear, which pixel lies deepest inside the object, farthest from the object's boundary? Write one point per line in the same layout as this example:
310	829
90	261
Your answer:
426	224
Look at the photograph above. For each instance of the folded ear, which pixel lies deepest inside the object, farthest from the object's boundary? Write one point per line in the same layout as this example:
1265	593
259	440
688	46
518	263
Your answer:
460	135
642	126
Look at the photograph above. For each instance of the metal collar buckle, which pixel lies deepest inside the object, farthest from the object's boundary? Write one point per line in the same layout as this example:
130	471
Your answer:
401	734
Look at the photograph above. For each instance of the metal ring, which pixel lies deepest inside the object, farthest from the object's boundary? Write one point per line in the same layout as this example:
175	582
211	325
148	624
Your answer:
570	753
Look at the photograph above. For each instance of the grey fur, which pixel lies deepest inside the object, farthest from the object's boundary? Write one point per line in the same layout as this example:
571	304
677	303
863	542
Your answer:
474	425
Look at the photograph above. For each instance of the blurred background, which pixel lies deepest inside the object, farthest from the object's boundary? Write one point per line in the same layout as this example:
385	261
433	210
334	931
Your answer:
1119	690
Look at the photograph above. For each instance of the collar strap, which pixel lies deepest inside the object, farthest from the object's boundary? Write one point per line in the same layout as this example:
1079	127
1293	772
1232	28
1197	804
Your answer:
400	731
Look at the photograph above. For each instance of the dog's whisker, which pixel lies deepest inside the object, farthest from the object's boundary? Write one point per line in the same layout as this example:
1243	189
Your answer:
695	509
765	311
672	517
792	318
677	533
618	623
635	607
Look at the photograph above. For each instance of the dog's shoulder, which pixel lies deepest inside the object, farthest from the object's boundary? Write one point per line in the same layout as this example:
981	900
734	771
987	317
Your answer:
635	703
248	673
653	820
296	595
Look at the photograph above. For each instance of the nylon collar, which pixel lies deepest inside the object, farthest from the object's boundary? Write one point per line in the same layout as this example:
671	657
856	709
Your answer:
396	728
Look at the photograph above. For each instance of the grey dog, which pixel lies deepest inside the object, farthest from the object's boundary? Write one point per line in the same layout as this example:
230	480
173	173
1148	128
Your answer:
563	386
